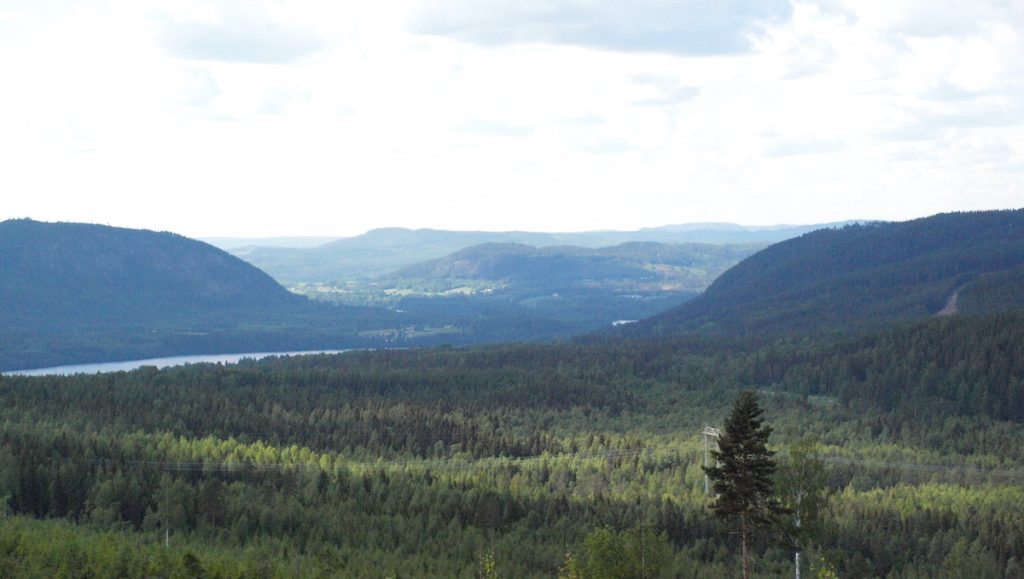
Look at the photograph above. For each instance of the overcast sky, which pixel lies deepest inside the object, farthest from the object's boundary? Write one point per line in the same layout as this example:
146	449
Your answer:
264	118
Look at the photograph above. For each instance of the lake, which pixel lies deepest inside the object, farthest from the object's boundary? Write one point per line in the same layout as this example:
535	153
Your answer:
158	362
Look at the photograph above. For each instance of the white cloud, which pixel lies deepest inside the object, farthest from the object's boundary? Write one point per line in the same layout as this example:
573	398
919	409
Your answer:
312	117
198	87
235	31
689	27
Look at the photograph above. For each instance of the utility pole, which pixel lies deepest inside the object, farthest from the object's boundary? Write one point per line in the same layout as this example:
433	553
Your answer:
709	432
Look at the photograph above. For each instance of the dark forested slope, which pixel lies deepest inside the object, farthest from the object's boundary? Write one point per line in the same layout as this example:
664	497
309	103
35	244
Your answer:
862	275
69	272
74	292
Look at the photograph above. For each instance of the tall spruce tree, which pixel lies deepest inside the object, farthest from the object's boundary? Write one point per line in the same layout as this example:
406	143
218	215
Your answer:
742	479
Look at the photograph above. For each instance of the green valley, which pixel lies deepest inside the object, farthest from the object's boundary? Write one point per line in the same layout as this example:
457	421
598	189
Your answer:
574	458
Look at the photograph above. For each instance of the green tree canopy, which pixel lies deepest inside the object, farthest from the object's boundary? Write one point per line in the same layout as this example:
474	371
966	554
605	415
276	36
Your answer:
742	479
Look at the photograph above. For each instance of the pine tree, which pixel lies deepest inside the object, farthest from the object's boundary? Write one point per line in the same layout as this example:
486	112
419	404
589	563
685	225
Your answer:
742	480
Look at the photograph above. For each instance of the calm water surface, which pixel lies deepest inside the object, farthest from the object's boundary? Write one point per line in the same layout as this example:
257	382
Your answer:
158	362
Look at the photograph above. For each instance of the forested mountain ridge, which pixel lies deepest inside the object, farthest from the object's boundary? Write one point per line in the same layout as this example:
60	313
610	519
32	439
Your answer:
75	293
628	266
861	276
80	293
65	272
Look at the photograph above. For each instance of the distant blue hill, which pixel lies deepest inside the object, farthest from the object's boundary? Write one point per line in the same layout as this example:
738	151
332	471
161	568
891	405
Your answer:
383	251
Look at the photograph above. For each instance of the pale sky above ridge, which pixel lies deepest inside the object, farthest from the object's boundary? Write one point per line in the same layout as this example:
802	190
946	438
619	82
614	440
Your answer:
267	118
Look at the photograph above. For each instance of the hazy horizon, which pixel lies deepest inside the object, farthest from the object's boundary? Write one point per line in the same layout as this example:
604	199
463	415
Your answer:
702	225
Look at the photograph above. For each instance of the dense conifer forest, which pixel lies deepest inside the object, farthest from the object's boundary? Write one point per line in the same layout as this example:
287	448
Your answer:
580	459
861	277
